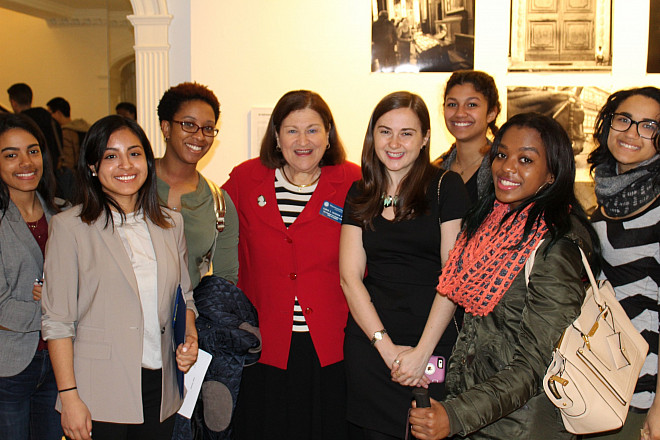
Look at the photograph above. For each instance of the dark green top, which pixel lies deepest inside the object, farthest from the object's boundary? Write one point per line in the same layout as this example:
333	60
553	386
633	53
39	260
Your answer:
199	228
498	362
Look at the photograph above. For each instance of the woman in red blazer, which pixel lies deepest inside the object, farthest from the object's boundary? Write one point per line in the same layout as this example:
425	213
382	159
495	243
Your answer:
290	204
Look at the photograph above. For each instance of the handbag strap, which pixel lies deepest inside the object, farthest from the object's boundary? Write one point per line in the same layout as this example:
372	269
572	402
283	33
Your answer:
458	330
220	209
218	205
594	285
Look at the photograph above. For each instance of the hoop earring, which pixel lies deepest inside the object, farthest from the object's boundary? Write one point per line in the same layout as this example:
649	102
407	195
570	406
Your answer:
544	186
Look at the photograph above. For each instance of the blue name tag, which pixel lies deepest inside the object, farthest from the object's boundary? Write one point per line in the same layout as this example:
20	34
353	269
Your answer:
332	211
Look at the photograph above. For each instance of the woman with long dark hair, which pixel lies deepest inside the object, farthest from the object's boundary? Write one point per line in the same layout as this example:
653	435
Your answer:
113	266
470	109
27	183
511	327
399	225
626	169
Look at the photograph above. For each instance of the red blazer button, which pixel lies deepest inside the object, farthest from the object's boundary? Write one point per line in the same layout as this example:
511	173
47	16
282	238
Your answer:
293	276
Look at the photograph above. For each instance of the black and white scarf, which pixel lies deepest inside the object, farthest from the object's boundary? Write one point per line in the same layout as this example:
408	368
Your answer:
623	194
484	176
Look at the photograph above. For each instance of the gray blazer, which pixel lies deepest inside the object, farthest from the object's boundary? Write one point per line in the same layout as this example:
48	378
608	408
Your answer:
91	294
21	263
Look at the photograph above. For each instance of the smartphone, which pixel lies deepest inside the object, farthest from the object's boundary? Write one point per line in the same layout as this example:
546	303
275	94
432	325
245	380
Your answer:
435	369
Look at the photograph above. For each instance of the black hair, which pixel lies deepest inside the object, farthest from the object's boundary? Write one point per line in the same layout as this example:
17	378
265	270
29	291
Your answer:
21	93
46	186
128	107
482	83
555	202
59	104
90	192
176	96
601	154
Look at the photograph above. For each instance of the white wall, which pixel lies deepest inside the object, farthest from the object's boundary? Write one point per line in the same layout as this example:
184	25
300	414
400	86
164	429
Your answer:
179	40
253	51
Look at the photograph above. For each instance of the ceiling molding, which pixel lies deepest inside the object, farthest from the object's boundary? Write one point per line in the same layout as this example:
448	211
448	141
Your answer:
71	13
91	17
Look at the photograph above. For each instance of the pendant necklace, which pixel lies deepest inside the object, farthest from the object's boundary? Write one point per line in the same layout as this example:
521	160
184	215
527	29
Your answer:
463	170
389	200
471	164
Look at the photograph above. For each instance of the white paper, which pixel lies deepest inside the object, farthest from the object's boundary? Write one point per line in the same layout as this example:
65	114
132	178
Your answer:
193	382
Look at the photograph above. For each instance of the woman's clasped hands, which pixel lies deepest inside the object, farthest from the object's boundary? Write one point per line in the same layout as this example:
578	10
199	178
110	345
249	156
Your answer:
408	368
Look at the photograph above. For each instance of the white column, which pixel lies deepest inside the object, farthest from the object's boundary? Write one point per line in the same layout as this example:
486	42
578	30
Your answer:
151	67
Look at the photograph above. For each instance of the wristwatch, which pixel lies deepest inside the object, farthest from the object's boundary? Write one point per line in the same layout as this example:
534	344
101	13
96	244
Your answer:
378	336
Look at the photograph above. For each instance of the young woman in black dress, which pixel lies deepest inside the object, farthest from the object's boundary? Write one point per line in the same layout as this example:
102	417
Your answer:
390	230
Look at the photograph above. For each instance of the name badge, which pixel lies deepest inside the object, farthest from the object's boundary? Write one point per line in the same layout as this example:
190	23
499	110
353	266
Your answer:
332	211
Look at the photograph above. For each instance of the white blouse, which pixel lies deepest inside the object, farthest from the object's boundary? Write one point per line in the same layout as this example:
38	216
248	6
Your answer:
137	242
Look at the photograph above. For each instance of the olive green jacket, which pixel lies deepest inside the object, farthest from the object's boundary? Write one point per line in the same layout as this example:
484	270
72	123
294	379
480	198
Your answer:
495	371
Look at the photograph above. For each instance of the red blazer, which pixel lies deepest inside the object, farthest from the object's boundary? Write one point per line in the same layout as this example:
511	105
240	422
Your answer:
277	264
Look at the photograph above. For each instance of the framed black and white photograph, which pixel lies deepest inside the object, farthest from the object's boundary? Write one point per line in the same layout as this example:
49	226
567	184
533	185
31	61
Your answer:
576	109
561	35
422	35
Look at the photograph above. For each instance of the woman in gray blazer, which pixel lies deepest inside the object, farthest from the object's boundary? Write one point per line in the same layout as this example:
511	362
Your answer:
27	383
113	265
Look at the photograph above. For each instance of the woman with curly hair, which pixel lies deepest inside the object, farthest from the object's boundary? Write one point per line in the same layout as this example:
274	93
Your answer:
188	115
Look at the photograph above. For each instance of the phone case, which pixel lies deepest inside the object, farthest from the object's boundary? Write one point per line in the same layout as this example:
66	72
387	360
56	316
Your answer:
435	370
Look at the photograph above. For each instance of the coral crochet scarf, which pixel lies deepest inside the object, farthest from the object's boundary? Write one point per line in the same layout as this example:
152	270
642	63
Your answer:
479	272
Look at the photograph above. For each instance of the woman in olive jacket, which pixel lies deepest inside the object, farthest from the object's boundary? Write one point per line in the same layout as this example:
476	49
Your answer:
511	327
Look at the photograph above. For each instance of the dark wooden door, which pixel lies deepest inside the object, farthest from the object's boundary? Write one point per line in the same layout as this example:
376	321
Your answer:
560	30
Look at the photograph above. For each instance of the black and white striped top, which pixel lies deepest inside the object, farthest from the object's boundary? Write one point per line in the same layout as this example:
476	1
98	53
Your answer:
631	250
291	200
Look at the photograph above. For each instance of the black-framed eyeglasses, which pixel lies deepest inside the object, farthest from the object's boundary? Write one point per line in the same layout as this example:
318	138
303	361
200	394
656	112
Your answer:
648	128
191	127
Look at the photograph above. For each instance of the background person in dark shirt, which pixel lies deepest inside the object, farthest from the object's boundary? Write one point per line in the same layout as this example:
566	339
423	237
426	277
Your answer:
20	98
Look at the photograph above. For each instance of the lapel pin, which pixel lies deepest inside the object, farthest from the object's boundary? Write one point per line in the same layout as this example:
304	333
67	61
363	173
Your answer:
261	201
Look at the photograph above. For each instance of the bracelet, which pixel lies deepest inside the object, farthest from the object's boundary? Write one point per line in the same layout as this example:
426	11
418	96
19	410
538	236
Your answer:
67	389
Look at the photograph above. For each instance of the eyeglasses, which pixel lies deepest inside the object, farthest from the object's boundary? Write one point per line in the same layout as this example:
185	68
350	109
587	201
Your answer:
191	127
648	129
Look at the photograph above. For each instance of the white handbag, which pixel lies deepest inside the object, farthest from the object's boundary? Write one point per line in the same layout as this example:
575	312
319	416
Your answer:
595	366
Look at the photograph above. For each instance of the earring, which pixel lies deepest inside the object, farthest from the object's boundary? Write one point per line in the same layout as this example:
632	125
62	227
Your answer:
277	147
327	147
93	173
167	138
544	186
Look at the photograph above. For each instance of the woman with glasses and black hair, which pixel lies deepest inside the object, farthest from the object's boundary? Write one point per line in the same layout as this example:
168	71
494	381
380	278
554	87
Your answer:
626	168
188	114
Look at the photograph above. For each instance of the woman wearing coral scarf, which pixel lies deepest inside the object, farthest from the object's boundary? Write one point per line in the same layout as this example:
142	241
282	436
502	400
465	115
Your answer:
510	328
